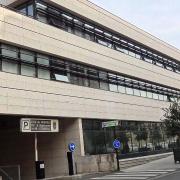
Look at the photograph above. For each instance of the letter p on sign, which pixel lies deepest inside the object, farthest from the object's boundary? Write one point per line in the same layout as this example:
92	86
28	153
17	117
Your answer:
26	125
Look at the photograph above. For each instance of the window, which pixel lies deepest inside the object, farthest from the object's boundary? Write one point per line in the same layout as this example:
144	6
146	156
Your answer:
28	70
165	98
42	59
41	6
23	11
138	56
26	9
148	60
61	77
27	55
30	10
103	80
59	72
137	92
9	51
161	97
43	73
77	79
155	96
143	93
121	89
126	51
113	87
9	66
42	18
129	90
56	22
118	48
89	36
93	78
103	42
78	32
149	94
132	54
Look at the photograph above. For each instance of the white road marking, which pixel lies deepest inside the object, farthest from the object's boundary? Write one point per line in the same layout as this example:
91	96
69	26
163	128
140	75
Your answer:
134	175
109	178
139	175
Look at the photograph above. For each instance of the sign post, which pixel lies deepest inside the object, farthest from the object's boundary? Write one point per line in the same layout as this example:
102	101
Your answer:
70	156
36	147
33	125
117	145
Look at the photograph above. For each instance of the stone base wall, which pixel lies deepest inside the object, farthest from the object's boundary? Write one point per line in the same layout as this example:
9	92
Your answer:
96	163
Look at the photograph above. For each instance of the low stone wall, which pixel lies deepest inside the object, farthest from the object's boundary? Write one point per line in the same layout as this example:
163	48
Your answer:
96	163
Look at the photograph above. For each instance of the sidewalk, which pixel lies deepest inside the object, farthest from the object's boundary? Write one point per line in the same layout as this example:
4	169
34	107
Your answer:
165	163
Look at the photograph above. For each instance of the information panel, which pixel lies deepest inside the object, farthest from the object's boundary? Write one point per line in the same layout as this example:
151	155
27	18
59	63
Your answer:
39	125
110	124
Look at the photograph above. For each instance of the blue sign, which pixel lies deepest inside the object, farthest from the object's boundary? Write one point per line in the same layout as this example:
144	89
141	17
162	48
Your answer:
116	144
71	147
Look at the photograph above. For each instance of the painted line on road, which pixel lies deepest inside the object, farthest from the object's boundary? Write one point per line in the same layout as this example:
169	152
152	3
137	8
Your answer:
164	175
168	170
139	173
134	178
134	175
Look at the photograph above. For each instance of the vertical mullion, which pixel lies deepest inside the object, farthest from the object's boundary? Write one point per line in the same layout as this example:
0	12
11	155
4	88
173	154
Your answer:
19	61
50	68
34	9
36	65
0	57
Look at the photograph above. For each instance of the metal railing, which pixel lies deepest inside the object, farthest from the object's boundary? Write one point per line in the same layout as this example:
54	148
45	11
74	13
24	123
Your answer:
11	172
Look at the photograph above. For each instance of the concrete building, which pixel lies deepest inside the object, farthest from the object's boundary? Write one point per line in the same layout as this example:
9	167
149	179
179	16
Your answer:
73	61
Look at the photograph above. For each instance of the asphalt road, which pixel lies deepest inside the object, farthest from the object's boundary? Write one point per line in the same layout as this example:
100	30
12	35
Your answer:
173	176
163	169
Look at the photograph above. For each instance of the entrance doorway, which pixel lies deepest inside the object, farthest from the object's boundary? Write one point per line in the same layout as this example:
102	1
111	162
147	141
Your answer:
16	150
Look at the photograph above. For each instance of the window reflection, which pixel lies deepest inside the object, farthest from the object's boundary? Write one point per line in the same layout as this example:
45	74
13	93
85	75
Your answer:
26	9
28	70
136	138
27	55
43	73
9	66
41	59
9	51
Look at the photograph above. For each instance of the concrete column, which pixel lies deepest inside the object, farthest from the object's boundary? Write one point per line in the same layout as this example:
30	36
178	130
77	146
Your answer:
81	139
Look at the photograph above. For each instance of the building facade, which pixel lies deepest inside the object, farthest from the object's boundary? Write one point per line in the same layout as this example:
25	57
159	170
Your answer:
75	62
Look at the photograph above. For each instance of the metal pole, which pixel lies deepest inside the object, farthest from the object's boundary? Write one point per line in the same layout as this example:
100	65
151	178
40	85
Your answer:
36	147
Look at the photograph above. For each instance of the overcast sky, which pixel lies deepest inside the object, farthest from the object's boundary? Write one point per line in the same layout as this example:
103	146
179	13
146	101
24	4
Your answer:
161	18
